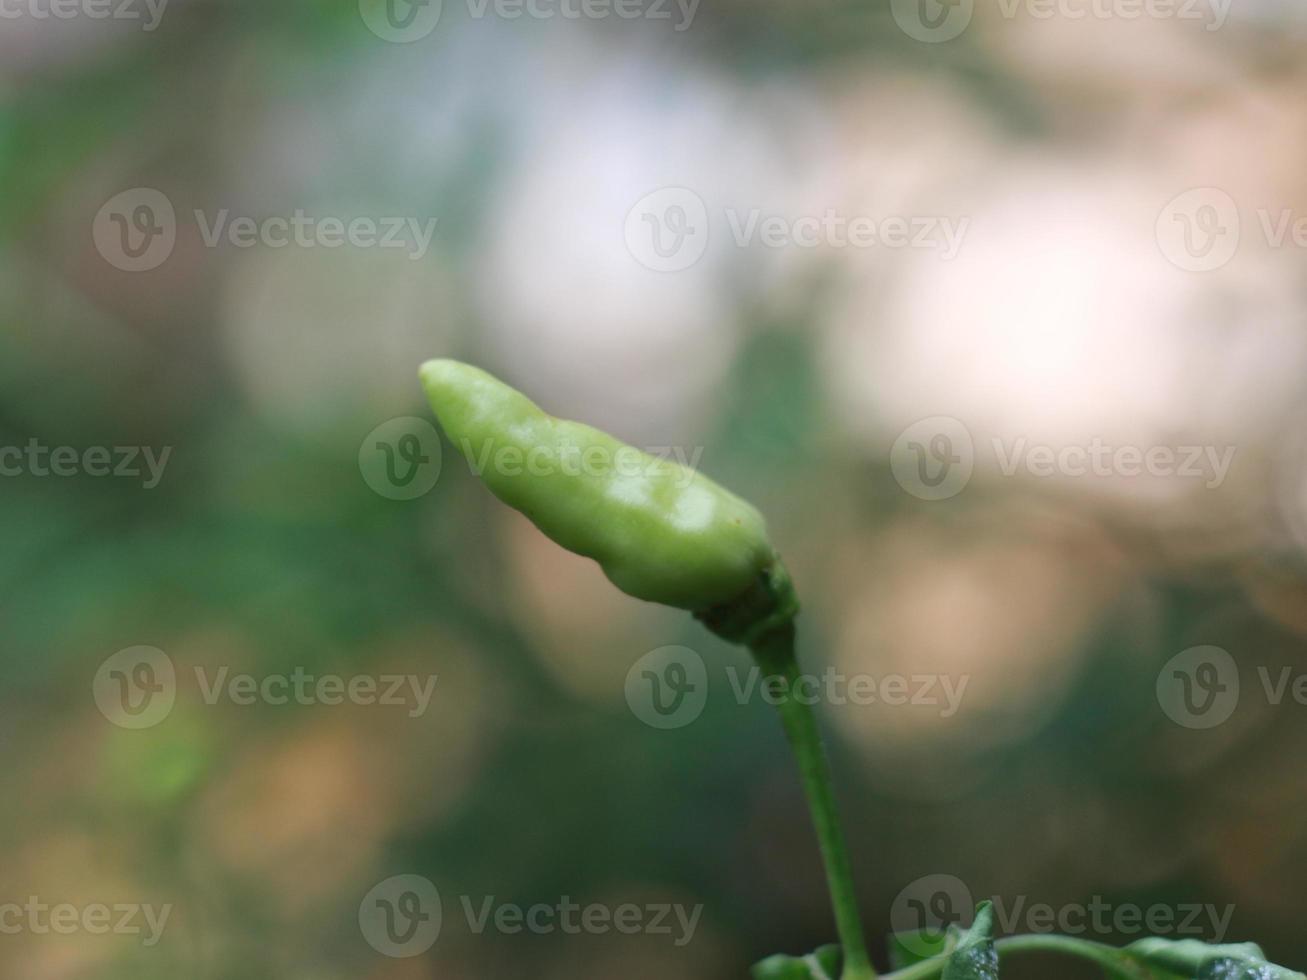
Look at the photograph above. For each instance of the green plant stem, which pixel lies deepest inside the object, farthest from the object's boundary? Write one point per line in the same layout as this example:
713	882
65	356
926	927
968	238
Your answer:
775	654
1115	962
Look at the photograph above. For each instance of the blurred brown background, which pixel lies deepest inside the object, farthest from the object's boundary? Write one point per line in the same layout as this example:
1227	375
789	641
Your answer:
1123	186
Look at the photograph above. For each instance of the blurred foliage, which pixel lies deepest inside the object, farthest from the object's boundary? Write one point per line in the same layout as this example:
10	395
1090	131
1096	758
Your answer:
265	551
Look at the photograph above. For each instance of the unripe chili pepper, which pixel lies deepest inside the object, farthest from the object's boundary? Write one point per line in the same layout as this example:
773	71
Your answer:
659	530
662	532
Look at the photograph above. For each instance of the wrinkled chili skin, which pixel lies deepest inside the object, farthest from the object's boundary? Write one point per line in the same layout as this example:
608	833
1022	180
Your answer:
660	531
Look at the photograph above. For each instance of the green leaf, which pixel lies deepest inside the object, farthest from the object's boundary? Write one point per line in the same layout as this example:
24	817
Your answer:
917	946
823	964
1198	960
975	957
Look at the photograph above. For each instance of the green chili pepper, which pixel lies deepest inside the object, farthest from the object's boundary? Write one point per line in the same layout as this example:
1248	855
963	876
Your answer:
659	530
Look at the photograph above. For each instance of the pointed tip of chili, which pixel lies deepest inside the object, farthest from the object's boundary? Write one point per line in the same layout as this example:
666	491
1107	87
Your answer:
451	384
442	373
468	400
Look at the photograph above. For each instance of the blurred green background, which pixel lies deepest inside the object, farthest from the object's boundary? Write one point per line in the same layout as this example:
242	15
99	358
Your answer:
266	547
